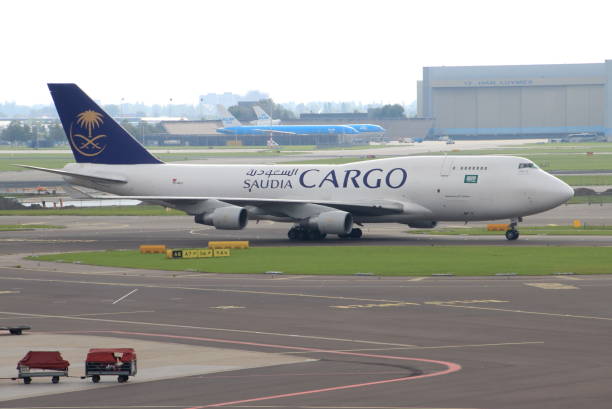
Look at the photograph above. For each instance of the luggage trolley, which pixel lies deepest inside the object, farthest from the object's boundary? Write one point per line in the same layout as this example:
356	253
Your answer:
37	364
110	361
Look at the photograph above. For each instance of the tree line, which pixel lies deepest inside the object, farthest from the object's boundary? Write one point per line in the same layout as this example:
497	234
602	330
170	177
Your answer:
43	135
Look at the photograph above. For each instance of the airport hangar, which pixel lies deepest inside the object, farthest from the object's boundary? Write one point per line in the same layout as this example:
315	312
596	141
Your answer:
517	101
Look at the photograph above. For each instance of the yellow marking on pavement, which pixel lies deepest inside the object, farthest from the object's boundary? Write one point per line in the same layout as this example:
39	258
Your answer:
552	286
385	305
570	278
463	302
417	279
228	307
9	292
157	324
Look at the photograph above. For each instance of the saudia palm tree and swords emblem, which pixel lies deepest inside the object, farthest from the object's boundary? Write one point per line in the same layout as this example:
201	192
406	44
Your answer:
90	144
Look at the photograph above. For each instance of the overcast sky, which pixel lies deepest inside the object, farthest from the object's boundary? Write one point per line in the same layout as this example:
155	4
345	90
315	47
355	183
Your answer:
369	51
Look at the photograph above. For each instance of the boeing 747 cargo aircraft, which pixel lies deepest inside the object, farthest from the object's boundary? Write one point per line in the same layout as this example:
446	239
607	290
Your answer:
418	191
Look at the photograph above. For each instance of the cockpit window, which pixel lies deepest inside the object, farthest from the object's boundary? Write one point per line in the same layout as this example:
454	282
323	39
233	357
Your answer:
527	165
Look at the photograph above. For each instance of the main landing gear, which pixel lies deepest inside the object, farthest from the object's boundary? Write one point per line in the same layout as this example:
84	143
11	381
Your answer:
354	234
512	233
302	233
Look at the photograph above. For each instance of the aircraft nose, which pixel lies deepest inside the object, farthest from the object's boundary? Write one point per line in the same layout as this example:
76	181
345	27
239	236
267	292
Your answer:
562	192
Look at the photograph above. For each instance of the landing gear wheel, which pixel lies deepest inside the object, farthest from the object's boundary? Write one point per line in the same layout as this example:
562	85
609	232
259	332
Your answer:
95	378
315	235
353	234
512	234
55	379
122	378
356	234
27	380
302	234
292	234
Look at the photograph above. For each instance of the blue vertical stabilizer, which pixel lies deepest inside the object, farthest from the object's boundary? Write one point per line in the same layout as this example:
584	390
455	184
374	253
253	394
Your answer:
93	135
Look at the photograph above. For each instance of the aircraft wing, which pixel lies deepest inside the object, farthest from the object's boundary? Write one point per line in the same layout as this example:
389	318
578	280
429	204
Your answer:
275	131
373	208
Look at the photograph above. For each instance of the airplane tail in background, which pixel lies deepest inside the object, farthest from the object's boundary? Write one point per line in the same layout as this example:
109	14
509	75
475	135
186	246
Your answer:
263	118
93	135
261	114
226	117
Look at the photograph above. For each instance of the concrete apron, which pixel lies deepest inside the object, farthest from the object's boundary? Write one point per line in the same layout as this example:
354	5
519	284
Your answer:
156	361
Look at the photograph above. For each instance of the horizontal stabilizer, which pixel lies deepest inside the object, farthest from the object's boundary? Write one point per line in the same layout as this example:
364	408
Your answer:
94	178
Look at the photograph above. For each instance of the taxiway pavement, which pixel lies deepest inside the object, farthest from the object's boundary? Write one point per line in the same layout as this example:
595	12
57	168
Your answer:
369	342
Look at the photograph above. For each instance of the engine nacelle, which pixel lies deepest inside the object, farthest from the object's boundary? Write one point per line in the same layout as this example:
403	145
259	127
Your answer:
225	218
334	222
423	224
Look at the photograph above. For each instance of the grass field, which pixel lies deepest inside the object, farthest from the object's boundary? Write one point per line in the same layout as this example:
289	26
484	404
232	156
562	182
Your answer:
525	230
96	211
18	227
380	260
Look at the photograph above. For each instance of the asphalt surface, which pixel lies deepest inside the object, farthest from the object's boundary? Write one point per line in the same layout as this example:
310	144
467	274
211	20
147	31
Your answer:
435	342
128	232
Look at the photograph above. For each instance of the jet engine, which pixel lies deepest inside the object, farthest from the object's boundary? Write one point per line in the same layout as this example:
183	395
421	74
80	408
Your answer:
333	222
423	224
225	218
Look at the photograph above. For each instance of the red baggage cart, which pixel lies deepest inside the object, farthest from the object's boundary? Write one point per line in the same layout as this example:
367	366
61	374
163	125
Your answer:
38	364
120	362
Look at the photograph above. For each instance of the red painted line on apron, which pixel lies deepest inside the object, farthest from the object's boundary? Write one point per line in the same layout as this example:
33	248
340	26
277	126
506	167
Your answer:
450	366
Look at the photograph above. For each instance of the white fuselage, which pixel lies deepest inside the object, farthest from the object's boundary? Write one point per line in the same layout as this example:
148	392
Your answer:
439	188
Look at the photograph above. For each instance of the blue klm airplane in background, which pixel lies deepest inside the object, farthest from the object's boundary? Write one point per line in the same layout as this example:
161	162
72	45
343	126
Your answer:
233	127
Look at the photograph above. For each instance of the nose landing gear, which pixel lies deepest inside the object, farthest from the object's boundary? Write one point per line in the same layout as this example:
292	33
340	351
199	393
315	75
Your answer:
512	233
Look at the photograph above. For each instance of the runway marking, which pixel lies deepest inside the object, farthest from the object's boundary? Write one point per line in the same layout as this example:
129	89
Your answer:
125	296
329	407
417	279
240	331
451	367
404	303
111	313
569	278
462	302
552	286
220	290
437	347
49	240
228	307
386	305
549	314
237	406
9	292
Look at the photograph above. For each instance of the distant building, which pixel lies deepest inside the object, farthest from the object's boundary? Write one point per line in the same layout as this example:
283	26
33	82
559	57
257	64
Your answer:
523	101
